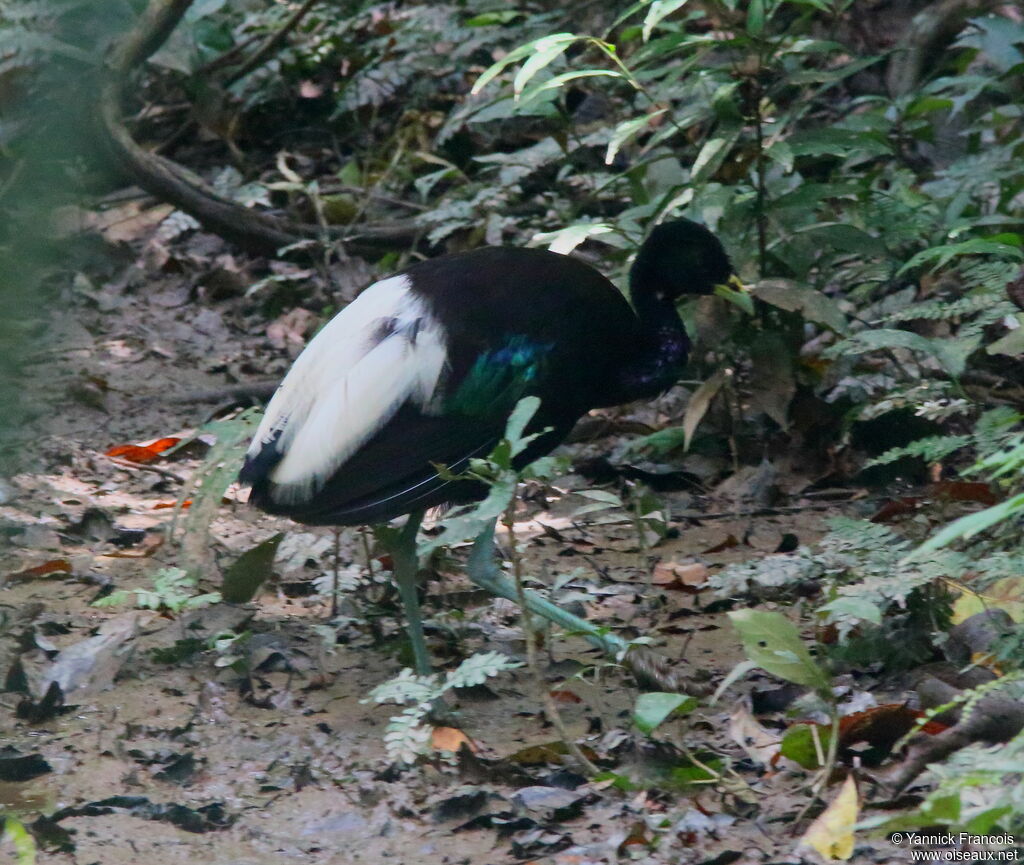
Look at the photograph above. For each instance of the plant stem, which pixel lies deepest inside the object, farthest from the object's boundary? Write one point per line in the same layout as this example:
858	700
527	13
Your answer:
550	706
762	191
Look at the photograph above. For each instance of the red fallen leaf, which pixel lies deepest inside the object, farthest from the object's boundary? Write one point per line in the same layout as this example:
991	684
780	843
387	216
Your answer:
145	452
897	508
565	697
54	566
964	491
161	505
880	727
728	543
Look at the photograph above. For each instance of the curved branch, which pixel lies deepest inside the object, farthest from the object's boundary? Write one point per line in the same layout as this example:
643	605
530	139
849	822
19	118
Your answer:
930	31
253	230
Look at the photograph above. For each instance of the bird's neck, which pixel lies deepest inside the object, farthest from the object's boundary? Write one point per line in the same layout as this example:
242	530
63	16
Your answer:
661	350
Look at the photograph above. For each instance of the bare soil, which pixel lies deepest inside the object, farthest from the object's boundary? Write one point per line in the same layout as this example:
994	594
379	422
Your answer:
289	763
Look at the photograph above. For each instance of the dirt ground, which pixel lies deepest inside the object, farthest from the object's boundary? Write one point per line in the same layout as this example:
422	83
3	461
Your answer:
190	762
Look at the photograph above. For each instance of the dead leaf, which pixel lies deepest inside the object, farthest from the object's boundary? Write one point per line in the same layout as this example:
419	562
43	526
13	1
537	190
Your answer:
699	404
831	834
145	452
1006	594
964	491
159	506
760	743
880	727
291	328
685	576
87	667
772	383
551	752
54	566
897	508
450	739
729	542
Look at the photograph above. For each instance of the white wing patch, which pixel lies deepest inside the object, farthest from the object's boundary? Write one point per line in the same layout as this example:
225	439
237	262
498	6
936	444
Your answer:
383	349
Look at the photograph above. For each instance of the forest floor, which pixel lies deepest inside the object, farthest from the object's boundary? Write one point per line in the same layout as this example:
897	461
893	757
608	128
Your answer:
187	761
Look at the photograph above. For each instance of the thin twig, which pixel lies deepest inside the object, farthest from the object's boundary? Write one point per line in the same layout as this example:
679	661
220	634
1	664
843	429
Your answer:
144	467
550	706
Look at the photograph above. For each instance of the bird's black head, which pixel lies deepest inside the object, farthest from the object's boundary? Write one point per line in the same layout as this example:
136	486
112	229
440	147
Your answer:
679	257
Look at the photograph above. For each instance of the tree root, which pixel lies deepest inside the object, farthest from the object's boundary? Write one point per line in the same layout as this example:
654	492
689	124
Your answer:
255	231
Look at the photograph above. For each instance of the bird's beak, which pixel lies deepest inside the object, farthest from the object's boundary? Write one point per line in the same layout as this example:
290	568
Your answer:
736	284
734	291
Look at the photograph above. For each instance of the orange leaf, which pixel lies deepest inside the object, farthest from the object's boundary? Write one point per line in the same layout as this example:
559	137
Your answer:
162	505
145	452
565	697
54	566
450	739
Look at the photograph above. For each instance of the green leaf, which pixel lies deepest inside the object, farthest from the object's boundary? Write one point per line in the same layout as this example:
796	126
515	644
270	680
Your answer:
740	299
810	303
489	19
653	709
523	51
845	237
1011	344
734	675
625	131
781	153
521	415
557	81
547	50
952	356
660	9
773	643
755	17
966	527
713	154
565	240
20	839
848	607
798	744
938	256
249	571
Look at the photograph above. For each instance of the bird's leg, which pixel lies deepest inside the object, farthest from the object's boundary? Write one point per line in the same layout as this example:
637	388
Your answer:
406	562
482	570
651	669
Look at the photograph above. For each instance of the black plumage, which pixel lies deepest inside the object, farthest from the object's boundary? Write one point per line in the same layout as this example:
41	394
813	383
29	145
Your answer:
513	322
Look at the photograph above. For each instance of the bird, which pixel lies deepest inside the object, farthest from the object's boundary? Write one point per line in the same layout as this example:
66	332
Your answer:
423	369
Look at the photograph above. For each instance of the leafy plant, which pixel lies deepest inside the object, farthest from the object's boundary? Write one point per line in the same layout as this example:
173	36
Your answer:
173	592
408	736
15	834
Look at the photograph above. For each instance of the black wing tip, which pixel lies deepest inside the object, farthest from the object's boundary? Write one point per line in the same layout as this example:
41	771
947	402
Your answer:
257	466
